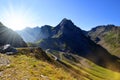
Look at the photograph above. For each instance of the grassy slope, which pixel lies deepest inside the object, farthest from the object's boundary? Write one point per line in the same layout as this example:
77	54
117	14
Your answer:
112	40
87	69
109	38
24	67
95	72
36	66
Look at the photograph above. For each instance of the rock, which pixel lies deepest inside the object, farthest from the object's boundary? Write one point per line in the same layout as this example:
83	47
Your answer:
4	61
8	49
45	77
1	73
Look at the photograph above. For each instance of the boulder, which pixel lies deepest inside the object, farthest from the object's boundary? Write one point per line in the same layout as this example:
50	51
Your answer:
8	49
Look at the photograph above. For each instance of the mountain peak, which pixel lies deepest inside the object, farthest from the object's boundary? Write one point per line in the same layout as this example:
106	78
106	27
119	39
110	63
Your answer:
66	25
66	22
65	19
104	28
46	27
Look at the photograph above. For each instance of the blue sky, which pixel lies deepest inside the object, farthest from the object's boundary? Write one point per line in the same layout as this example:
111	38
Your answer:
84	13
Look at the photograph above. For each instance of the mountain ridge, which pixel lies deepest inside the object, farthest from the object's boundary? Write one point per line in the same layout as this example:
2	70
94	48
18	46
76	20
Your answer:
67	37
108	36
11	37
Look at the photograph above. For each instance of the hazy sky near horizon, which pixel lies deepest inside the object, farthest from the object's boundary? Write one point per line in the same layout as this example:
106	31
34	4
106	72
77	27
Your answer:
84	13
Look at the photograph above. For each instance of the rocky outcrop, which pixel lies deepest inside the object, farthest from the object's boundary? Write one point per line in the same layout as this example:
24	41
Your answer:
8	49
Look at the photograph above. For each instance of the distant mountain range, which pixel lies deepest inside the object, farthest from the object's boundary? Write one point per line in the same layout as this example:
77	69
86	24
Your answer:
35	34
67	37
8	36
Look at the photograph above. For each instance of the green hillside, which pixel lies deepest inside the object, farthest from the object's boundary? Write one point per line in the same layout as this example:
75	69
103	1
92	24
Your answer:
107	36
112	39
35	64
90	71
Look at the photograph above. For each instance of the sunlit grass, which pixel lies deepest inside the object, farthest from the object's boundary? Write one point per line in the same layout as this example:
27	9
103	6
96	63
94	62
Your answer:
92	71
28	67
24	67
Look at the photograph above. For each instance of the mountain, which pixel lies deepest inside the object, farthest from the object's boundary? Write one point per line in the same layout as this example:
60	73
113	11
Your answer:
8	36
67	37
35	34
108	36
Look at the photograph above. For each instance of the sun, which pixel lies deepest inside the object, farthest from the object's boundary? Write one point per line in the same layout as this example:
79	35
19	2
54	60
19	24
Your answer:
16	18
15	21
19	16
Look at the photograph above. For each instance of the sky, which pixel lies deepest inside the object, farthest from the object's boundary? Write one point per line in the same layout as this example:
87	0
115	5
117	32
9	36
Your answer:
86	14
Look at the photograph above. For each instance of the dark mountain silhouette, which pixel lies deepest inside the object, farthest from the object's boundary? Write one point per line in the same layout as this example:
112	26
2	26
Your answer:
8	36
67	37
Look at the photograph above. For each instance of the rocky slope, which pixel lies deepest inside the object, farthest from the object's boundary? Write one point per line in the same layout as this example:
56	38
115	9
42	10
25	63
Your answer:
107	36
8	36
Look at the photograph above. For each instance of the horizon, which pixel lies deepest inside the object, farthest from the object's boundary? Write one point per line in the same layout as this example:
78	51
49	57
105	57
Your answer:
84	13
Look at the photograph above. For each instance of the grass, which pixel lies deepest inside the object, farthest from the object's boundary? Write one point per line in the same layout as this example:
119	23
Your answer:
91	71
24	67
112	40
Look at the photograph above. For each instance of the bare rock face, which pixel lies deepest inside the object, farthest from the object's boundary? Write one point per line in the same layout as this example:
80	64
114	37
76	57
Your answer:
8	36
